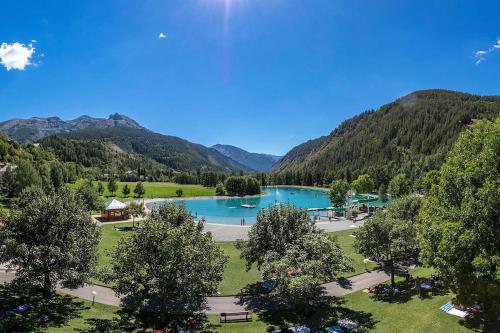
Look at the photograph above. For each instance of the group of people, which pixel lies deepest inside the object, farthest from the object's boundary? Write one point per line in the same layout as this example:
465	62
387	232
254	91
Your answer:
242	221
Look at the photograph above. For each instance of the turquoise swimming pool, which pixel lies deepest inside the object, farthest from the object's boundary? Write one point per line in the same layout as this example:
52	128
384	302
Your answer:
229	210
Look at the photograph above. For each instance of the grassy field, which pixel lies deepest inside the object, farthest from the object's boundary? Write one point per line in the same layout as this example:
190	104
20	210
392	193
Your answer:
159	190
235	276
411	316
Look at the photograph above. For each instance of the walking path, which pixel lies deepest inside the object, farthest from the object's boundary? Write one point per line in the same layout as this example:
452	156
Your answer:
220	304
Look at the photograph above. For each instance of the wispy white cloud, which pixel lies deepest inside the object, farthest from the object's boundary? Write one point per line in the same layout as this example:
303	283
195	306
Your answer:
162	35
16	55
481	55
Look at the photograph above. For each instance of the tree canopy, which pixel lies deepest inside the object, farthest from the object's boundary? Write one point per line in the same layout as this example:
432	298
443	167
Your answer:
392	233
338	192
170	268
50	239
276	228
459	228
363	184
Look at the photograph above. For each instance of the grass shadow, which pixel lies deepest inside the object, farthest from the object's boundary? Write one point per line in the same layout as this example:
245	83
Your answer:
404	292
132	321
39	312
324	314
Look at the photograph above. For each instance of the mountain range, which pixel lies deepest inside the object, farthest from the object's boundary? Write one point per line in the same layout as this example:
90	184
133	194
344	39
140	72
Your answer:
256	161
411	134
125	133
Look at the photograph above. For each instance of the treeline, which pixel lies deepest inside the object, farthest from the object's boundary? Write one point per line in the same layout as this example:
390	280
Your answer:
242	185
411	136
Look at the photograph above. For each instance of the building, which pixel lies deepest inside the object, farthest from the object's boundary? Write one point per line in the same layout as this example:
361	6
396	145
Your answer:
114	210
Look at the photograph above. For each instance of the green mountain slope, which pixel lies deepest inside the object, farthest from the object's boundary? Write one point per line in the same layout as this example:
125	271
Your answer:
255	161
412	134
173	152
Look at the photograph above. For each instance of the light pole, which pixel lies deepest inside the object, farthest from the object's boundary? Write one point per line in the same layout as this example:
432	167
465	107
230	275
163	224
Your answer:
94	293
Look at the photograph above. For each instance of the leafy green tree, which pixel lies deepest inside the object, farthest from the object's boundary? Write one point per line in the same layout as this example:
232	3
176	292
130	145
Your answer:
459	229
382	193
363	184
136	209
24	176
50	239
338	192
89	197
125	190
179	192
277	228
399	185
242	185
170	268
424	184
171	214
297	275
56	174
139	189
112	186
100	188
392	233
219	189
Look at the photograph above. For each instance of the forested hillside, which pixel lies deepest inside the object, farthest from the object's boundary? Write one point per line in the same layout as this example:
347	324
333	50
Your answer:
254	161
173	152
412	135
104	157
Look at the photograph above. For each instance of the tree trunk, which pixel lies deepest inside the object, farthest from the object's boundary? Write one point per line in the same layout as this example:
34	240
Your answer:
393	282
47	286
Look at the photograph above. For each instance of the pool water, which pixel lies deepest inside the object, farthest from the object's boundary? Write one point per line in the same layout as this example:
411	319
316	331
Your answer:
229	210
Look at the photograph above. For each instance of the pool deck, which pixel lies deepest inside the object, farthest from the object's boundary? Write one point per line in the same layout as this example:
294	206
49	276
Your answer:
229	232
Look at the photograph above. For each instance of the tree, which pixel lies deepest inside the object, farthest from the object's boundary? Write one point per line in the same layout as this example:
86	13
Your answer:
179	192
50	239
425	182
242	185
399	185
139	189
100	188
89	196
171	214
56	174
112	186
363	184
277	227
297	275
459	230
338	192
169	268
382	193
136	210
24	176
126	190
391	234
219	189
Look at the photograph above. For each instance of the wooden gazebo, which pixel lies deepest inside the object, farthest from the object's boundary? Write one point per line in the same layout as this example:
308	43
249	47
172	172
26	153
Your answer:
114	210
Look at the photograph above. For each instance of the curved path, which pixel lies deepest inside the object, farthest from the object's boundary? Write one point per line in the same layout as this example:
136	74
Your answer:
220	304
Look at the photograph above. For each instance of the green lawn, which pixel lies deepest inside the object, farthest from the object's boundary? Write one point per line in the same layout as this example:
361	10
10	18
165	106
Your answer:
235	275
160	190
413	316
346	241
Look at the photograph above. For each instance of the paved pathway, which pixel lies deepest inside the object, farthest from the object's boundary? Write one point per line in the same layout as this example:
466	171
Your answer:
223	303
233	303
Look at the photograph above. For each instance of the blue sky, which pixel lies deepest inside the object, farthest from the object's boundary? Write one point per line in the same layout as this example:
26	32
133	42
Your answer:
264	75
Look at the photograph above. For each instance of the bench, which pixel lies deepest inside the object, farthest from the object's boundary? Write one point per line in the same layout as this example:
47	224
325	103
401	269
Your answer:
235	316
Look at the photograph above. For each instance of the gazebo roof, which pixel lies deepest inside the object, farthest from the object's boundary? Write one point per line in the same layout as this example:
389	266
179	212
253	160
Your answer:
113	204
